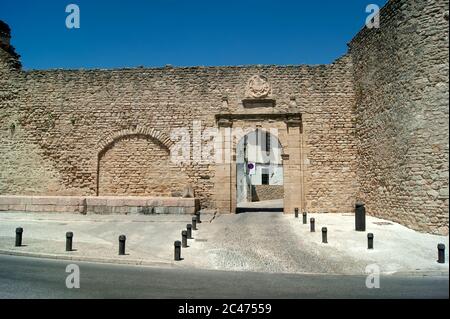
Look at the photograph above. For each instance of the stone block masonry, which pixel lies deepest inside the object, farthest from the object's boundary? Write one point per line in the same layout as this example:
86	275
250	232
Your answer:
99	204
371	126
89	132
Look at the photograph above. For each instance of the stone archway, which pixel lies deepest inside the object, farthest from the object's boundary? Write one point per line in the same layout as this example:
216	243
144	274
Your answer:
290	136
137	163
161	137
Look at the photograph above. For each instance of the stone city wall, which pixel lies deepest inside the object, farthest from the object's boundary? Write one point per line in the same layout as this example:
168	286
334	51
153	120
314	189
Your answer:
374	124
67	132
401	82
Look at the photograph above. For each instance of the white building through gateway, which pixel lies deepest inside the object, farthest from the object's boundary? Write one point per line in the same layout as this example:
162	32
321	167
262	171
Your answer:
259	168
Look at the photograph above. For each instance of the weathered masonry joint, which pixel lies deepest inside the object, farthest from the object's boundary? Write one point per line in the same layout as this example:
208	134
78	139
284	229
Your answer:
371	127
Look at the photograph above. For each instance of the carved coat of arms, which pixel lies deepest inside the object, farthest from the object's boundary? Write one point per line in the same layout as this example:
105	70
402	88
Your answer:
258	87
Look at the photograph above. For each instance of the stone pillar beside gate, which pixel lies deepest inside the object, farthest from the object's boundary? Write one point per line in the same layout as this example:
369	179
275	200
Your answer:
222	194
292	167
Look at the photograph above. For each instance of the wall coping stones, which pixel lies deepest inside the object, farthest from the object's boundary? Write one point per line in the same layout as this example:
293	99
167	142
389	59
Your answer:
96	204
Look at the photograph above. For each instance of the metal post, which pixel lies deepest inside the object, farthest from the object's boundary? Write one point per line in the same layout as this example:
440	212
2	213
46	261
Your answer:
360	217
296	212
324	235
312	223
369	241
305	218
189	231
194	223
197	214
441	253
184	238
69	236
177	245
19	232
122	239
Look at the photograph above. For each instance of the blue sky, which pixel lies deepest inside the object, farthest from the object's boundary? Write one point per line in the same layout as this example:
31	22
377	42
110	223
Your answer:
154	33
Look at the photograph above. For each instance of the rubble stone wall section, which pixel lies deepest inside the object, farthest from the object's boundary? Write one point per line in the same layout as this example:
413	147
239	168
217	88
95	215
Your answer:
267	192
402	91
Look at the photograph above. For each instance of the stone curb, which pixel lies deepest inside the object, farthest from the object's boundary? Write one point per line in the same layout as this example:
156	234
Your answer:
136	262
422	273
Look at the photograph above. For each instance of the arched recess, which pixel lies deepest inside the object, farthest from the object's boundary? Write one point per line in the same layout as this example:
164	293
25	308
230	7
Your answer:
136	162
151	132
290	135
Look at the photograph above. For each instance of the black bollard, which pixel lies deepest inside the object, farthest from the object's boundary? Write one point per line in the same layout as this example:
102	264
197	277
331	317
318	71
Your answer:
189	231
194	223
441	253
69	236
360	217
197	214
305	217
369	241
296	212
122	239
324	235
312	223
177	246
19	232
184	238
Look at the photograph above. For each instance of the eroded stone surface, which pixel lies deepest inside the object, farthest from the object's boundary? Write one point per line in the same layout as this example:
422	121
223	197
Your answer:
401	84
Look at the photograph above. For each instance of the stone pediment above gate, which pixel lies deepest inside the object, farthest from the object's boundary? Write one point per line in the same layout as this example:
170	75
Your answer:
258	92
227	119
258	103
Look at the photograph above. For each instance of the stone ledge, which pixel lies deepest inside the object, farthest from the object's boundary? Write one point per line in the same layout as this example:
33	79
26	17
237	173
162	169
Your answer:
100	204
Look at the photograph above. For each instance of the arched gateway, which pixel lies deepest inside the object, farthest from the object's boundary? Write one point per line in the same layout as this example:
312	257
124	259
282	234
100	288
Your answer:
259	172
278	175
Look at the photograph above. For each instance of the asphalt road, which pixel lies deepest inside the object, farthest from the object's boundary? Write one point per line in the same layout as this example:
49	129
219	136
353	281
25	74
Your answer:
22	277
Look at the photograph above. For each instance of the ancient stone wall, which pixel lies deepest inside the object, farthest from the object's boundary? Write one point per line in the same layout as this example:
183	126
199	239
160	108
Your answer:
64	118
373	125
401	83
